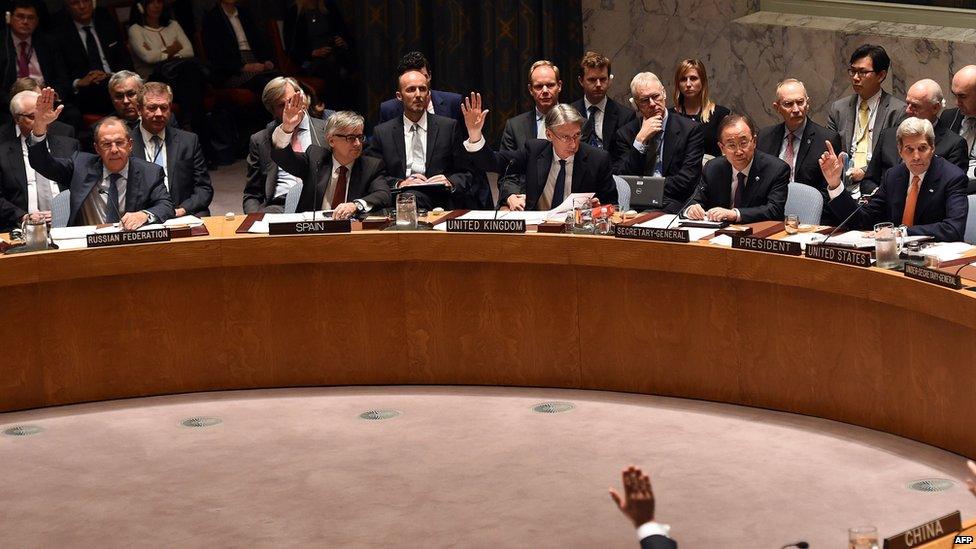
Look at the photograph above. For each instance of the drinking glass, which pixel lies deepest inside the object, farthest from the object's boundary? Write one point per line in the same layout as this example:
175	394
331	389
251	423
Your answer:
406	211
862	537
886	245
792	224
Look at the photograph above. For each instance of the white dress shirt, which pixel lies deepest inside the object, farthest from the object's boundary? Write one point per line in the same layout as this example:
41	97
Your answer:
286	180
235	23
333	180
546	200
601	110
652	528
735	183
408	138
151	153
98	41
872	114
33	65
33	178
149	44
797	134
642	147
540	124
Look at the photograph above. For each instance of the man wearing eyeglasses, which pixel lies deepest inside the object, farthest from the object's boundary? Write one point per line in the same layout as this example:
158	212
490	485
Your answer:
860	118
658	144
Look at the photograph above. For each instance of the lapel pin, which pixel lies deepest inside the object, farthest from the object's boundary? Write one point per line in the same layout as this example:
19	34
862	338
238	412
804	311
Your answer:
931	190
757	178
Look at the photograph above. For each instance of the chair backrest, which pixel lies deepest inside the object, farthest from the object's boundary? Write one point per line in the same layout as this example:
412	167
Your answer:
623	193
805	202
970	235
291	199
61	209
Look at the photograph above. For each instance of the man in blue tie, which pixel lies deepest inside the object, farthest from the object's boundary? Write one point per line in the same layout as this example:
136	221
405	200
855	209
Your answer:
604	116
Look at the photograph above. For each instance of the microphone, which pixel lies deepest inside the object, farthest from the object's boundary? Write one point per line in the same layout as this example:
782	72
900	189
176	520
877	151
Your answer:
504	173
698	187
798	545
846	219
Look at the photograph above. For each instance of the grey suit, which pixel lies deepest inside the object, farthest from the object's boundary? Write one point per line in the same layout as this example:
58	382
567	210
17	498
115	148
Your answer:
842	116
262	172
186	170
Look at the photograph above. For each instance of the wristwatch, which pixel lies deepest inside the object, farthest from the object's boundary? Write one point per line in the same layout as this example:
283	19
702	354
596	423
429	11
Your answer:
151	217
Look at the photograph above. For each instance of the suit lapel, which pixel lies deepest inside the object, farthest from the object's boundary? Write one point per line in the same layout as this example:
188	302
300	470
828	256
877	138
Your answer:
171	144
852	123
356	184
927	190
530	126
672	135
432	127
15	153
131	189
138	145
899	192
806	143
325	177
724	193
882	115
92	177
609	123
542	168
399	142
579	163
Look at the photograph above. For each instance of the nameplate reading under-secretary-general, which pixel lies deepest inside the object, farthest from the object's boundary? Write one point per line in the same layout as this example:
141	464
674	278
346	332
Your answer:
493	226
845	256
930	531
934	276
757	244
650	233
322	226
98	240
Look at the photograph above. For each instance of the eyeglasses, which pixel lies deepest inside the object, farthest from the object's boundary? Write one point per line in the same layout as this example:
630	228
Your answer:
24	16
741	145
350	137
131	94
645	99
567	138
860	73
107	145
790	104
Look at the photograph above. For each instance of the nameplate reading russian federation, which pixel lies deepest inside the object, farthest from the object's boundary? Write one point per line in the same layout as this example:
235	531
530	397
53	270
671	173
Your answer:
845	256
650	233
322	226
938	528
757	244
493	226
123	238
935	277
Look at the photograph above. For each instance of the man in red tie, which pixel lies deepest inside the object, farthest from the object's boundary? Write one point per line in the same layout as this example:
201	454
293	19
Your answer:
32	54
926	193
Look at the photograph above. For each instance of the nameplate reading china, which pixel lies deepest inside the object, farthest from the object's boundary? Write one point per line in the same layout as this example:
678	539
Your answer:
757	244
649	233
938	528
935	277
322	226
845	256
493	226
123	238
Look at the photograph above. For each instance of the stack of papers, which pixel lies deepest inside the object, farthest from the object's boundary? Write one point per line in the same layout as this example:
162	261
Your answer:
858	239
261	227
190	220
946	251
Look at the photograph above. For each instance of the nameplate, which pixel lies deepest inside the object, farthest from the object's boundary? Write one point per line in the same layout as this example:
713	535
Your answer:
493	226
322	226
756	244
938	528
935	277
649	233
844	256
123	238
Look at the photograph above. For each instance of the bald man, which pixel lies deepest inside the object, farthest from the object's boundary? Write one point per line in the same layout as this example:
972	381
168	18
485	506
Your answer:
962	119
923	100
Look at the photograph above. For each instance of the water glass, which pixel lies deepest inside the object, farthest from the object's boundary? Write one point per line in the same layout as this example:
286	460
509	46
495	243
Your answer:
406	211
886	246
792	224
601	222
862	537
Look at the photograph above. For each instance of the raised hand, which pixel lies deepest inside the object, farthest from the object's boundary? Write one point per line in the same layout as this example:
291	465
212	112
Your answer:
291	116
832	166
474	117
45	113
637	503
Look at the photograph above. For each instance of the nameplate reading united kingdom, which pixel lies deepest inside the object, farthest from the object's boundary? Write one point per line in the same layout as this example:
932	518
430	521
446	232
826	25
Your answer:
493	226
934	276
756	244
930	531
124	238
322	226
845	256
650	233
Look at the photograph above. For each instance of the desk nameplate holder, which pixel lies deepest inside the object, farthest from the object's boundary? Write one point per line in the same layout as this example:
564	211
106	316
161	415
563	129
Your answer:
939	278
650	233
487	226
758	244
930	531
835	254
124	238
322	226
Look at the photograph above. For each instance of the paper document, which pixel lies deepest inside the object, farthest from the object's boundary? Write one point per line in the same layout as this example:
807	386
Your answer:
71	243
857	239
661	222
64	233
722	240
945	251
695	233
190	220
568	203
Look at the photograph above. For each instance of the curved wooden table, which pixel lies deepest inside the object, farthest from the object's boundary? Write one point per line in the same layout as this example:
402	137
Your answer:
862	346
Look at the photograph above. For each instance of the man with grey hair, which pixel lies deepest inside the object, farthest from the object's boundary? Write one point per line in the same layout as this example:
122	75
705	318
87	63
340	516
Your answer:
544	172
926	193
337	178
657	144
124	89
962	118
923	100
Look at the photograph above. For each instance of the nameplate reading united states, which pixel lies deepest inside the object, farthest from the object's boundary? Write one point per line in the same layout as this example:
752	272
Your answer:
845	256
493	226
124	238
930	531
934	276
650	233
322	226
757	244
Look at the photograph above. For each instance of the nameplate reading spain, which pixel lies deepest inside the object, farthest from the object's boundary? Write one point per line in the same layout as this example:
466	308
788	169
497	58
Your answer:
845	256
934	276
322	226
758	244
123	238
493	226
650	233
930	531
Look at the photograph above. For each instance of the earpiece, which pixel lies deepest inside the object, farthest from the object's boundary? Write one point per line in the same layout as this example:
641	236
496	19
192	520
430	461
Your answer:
141	9
7	17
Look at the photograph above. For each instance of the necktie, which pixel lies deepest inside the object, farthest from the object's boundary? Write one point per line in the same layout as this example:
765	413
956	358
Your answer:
43	188
94	59
908	217
589	129
559	189
339	195
740	189
969	132
23	61
790	153
418	164
157	151
864	139
296	143
112	212
650	155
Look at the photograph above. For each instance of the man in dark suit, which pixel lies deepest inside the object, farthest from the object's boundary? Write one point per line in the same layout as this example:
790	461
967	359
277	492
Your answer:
962	118
31	54
235	62
338	178
544	87
420	148
92	50
923	100
543	173
106	188
22	189
637	504
178	152
604	116
743	185
860	118
442	103
267	185
656	143
925	193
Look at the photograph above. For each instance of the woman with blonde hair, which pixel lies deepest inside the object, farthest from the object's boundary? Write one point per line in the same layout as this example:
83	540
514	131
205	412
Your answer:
692	101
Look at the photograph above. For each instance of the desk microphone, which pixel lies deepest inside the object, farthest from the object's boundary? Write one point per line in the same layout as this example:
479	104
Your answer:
700	186
848	218
504	173
798	545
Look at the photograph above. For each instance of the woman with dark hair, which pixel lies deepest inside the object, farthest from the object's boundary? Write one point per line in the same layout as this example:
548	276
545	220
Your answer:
318	41
692	101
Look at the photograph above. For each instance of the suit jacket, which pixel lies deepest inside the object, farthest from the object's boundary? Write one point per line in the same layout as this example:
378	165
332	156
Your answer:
13	174
186	170
842	115
684	147
445	104
615	117
144	189
948	145
444	152
658	542
766	187
48	58
952	119
940	211
262	172
518	130
220	42
806	168
367	181
73	50
530	169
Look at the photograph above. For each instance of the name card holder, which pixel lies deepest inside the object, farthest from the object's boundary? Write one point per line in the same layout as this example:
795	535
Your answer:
844	256
124	238
323	226
930	531
488	226
925	274
649	233
757	244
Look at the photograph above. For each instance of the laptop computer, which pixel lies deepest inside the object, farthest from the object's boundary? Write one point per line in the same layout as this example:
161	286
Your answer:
646	191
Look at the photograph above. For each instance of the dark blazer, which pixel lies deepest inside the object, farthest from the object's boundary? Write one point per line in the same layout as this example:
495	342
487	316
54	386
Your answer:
940	211
615	117
948	145
658	542
531	164
709	128
13	175
766	187
73	50
186	170
518	130
806	168
50	61
444	152
445	104
952	119
262	172
220	42
144	189
367	181
842	116
684	147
